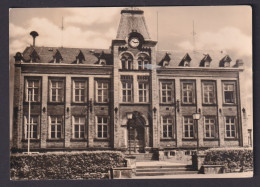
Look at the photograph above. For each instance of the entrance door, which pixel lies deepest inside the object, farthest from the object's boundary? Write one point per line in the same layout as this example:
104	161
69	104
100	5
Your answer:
135	136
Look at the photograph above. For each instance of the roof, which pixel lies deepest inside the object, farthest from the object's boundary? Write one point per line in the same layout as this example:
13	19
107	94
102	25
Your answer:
92	56
46	54
132	20
177	56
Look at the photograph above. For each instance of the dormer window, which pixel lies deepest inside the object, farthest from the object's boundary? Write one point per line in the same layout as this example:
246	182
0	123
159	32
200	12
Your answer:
80	58
185	62
102	62
165	61
102	59
225	62
34	56
57	58
127	61
205	62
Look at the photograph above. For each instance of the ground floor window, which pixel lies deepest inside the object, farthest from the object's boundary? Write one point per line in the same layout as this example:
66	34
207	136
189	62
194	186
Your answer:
210	127
188	127
31	127
230	127
102	126
78	129
55	127
167	124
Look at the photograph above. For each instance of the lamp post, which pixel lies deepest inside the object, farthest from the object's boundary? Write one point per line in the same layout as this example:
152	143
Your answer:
196	116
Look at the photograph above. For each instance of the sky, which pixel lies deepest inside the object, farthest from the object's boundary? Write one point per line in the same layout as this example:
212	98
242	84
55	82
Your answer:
227	28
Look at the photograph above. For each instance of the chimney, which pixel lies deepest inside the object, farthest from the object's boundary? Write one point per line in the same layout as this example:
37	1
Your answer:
34	34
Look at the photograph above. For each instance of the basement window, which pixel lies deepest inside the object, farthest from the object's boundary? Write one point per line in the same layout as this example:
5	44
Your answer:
172	153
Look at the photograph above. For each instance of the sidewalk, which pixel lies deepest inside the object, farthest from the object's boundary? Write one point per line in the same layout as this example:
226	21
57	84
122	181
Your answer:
197	176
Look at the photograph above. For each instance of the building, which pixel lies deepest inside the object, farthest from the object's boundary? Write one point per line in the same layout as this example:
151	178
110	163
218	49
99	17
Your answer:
130	97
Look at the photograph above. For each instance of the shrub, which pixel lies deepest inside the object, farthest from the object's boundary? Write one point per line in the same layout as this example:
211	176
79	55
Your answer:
80	165
232	159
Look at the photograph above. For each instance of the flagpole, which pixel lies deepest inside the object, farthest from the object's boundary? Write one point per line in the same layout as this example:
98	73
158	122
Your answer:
29	123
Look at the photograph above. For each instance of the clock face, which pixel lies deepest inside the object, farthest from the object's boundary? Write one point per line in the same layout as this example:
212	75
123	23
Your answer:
134	42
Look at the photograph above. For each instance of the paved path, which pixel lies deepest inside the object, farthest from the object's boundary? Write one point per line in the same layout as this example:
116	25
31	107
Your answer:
194	176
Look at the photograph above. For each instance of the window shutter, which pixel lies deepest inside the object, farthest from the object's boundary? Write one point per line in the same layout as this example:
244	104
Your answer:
161	129
73	90
73	127
62	91
96	124
25	127
26	90
62	127
96	91
86	91
108	126
50	93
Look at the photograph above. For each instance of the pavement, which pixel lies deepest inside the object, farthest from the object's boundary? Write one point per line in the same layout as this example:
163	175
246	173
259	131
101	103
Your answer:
198	176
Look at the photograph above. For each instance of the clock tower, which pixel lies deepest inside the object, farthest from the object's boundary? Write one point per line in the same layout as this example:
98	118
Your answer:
135	97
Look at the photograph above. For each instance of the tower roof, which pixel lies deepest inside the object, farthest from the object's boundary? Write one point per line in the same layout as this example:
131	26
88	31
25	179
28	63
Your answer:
132	20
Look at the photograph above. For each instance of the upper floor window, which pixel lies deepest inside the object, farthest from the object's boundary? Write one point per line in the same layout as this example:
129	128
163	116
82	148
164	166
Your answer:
143	62
208	92
188	127
32	88
188	92
230	127
56	90
79	91
143	91
127	88
210	127
102	88
167	91
55	127
78	127
31	127
167	124
229	92
102	126
127	61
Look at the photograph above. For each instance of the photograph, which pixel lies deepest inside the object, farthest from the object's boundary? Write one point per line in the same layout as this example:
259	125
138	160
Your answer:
131	92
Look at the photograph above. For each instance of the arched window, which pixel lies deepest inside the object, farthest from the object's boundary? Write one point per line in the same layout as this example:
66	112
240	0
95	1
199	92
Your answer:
143	62
127	61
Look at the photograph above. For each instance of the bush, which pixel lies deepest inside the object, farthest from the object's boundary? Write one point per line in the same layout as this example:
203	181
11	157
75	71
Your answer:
80	165
232	159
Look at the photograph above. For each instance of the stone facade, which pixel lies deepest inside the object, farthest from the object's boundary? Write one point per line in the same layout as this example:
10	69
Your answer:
106	123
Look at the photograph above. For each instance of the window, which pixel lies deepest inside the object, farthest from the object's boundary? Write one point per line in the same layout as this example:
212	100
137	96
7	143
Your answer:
127	61
102	91
188	127
78	129
167	123
55	127
208	91
127	91
186	64
32	129
143	62
32	86
229	93
226	64
79	91
56	90
188	95
210	127
143	92
102	127
167	92
230	127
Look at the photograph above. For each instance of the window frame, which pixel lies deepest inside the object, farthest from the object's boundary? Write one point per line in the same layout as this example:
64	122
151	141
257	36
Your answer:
143	90
58	79
102	127
56	124
79	124
234	95
25	125
26	92
103	81
215	127
74	80
189	129
235	127
206	82
128	61
168	117
126	89
193	102
172	83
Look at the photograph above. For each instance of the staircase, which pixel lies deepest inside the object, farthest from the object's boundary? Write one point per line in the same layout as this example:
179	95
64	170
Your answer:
155	170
